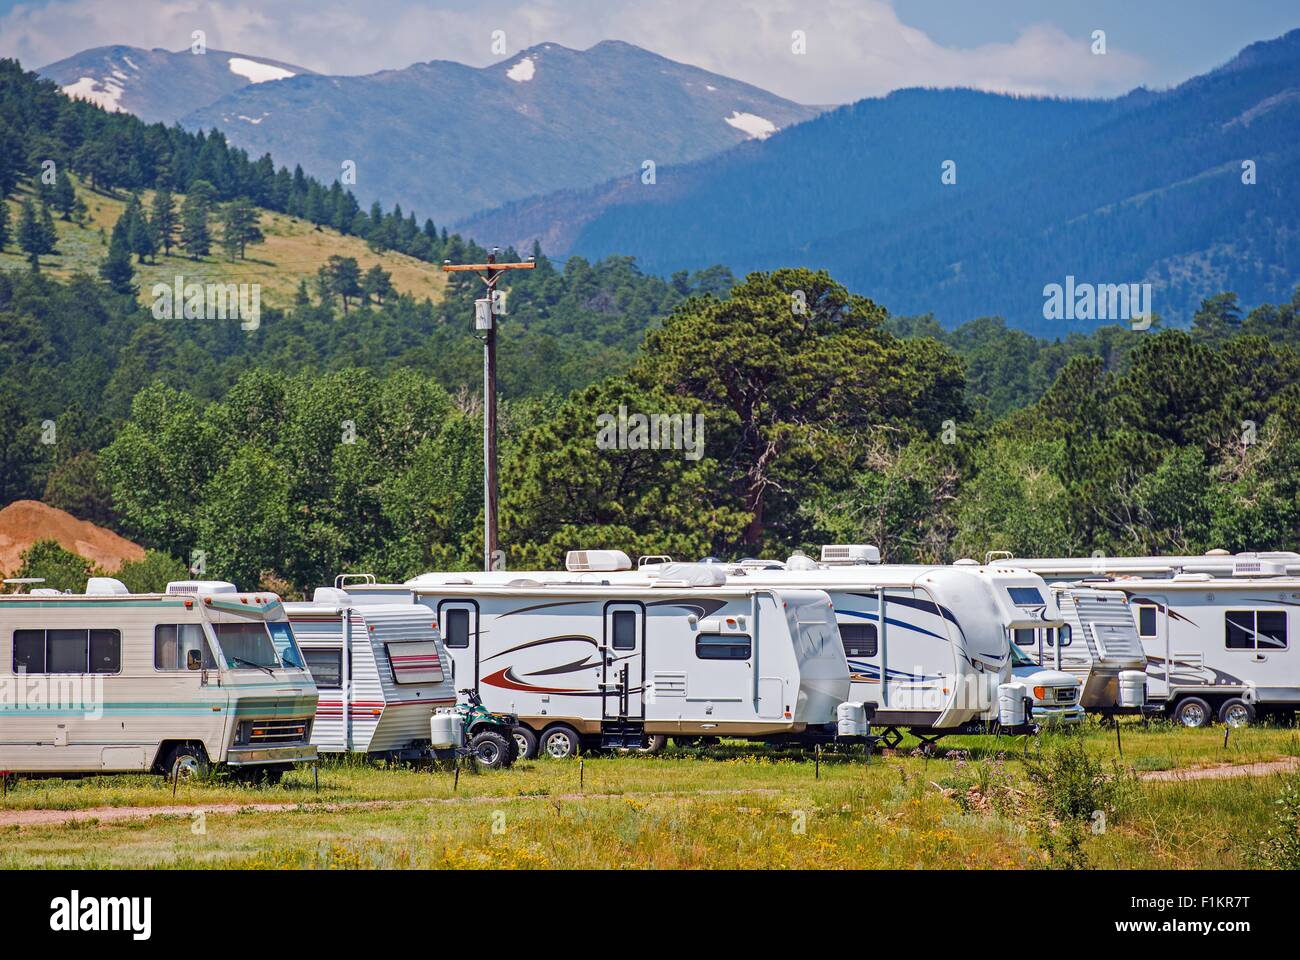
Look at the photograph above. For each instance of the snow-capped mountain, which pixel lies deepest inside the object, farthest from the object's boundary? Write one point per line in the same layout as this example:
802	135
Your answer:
158	85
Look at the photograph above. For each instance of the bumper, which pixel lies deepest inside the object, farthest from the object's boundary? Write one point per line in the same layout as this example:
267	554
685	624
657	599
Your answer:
244	756
1057	715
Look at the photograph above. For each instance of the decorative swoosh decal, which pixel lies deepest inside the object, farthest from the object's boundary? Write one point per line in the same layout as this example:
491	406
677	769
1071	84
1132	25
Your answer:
703	608
545	640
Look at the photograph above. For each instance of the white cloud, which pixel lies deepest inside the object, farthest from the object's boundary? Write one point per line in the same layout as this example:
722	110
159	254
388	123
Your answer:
855	48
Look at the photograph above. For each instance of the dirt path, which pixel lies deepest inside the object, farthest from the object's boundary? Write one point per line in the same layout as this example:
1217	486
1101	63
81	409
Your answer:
47	818
1226	771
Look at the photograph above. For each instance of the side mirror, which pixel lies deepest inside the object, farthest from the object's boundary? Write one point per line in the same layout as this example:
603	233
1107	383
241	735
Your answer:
193	660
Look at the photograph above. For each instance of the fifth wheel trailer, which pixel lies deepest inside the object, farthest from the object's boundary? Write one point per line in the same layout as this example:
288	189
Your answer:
584	664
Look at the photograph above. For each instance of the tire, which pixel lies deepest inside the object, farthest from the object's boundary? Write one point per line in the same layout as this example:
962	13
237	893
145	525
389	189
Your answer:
492	750
1236	712
527	742
188	760
560	743
654	743
1193	713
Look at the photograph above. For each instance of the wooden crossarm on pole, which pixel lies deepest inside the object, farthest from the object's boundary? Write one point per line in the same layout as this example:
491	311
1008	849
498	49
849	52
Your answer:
457	267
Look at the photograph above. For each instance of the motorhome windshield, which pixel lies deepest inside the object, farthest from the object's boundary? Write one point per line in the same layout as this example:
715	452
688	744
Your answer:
259	645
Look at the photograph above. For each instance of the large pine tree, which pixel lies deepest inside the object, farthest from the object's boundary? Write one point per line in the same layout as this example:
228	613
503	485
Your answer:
164	220
195	236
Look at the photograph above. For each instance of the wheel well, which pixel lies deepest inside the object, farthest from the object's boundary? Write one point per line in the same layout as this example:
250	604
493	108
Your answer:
167	746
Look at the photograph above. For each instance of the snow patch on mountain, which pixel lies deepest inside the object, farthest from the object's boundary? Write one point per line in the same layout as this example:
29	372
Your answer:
105	93
523	71
256	72
758	128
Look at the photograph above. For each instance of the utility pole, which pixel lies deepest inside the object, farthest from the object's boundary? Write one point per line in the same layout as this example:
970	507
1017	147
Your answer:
486	310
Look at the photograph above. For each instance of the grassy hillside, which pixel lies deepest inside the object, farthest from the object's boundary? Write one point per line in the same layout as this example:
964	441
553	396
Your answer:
294	250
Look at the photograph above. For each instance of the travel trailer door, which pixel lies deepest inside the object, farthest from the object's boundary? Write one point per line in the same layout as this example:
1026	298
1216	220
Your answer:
459	622
623	650
1153	630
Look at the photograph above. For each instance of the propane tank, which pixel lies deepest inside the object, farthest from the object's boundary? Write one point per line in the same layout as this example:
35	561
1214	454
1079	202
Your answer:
446	729
1132	688
1011	704
851	720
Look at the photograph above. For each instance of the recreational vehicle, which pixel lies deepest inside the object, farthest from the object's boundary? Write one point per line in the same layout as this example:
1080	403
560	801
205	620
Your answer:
932	664
108	681
628	664
1218	563
384	675
1219	646
1097	643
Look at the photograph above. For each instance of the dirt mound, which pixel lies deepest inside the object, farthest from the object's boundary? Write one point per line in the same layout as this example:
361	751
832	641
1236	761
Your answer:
24	522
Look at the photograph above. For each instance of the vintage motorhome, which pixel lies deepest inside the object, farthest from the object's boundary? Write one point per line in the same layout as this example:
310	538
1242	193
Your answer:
108	681
933	663
585	663
381	670
1098	643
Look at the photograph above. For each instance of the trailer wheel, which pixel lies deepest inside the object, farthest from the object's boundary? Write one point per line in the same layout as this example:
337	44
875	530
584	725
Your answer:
186	761
1193	712
560	743
1236	712
526	740
491	750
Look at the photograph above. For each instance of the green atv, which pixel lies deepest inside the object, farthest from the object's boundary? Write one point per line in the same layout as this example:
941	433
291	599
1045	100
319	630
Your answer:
489	736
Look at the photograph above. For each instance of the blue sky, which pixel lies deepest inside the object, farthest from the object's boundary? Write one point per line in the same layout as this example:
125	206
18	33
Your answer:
854	48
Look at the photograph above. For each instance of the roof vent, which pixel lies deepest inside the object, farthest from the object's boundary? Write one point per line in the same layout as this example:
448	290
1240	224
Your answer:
965	562
333	596
106	587
1191	577
1217	552
850	553
692	574
800	561
195	587
1251	565
596	560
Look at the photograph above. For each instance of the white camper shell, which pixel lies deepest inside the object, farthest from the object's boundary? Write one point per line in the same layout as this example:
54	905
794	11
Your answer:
1097	643
585	663
108	681
381	669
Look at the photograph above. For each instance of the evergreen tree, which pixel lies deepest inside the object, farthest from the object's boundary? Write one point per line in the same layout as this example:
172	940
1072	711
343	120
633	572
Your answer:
239	227
36	233
116	268
64	195
377	284
164	220
195	236
139	232
4	223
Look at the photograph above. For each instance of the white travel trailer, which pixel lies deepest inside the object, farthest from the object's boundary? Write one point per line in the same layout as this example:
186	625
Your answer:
381	670
1098	643
108	681
935	661
1219	563
1219	646
586	664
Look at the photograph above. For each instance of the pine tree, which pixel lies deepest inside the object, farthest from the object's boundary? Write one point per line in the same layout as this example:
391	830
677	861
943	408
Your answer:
195	237
4	223
64	195
139	232
239	227
116	268
35	233
164	220
377	284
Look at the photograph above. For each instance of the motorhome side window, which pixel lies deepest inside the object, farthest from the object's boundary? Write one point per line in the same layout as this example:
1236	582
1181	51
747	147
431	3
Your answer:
67	651
717	646
326	667
172	643
455	629
1146	622
859	639
1255	629
624	630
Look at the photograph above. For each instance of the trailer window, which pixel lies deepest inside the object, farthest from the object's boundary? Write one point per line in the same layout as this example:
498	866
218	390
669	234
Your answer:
859	639
172	643
1147	622
1255	629
1025	596
455	624
67	651
624	630
1023	636
326	668
717	646
1063	635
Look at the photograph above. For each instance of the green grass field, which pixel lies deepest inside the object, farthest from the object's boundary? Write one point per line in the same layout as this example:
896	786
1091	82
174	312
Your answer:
733	806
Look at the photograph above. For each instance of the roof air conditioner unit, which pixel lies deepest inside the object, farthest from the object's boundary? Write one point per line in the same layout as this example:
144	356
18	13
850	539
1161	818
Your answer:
105	587
594	561
850	553
1249	565
196	587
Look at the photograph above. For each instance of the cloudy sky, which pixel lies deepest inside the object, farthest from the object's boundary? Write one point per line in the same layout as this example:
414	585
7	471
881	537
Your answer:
854	48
